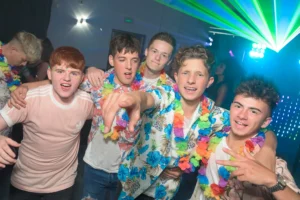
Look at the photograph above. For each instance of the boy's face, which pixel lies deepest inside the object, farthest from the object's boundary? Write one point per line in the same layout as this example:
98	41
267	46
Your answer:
158	55
248	115
16	57
192	79
125	65
65	81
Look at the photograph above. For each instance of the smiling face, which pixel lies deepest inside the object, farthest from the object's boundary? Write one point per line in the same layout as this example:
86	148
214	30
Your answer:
65	81
125	65
158	55
248	115
192	79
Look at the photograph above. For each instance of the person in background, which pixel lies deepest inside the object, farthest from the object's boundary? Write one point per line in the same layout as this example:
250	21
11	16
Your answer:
227	75
24	48
38	70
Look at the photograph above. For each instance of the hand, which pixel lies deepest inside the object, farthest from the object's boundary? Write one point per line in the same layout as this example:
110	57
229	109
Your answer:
6	154
17	97
172	173
248	169
95	76
114	102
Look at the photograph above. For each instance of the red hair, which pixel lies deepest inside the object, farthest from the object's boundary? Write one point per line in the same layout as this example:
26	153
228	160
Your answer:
71	56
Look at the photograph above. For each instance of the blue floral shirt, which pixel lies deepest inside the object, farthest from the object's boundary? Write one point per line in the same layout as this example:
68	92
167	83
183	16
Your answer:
140	171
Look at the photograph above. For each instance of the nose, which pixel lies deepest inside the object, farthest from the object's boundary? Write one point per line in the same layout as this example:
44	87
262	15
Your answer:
157	56
191	79
242	114
128	65
67	76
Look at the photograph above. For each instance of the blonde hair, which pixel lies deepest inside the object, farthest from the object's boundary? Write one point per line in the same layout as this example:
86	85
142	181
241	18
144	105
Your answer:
30	45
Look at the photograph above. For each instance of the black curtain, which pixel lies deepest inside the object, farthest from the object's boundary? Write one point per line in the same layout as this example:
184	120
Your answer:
24	15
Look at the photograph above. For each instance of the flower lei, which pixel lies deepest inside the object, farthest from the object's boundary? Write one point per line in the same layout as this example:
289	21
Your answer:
121	121
12	78
213	190
186	162
162	78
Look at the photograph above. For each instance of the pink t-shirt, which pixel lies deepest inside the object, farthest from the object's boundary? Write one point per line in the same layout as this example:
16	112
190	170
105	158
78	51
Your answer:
48	155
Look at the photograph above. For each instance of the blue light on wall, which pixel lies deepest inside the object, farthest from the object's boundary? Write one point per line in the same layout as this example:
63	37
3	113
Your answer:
286	118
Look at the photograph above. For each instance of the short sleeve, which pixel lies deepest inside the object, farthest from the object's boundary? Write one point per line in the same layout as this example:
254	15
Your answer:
13	116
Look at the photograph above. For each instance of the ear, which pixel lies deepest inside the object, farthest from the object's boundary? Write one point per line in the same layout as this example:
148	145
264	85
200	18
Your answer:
266	122
111	60
210	81
146	52
49	74
176	77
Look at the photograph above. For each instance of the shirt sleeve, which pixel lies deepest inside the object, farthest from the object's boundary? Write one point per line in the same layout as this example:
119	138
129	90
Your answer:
219	118
85	85
163	96
13	116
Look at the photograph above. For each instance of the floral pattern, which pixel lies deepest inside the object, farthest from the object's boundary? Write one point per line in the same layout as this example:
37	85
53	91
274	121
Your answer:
151	152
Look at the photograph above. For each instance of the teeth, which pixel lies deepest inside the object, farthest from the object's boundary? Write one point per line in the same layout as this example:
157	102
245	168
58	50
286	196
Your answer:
66	85
239	123
127	73
191	89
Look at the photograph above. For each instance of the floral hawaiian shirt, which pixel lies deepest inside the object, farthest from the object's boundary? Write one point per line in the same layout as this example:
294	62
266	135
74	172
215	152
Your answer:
140	170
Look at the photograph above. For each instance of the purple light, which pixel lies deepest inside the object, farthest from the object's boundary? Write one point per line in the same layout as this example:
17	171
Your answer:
231	54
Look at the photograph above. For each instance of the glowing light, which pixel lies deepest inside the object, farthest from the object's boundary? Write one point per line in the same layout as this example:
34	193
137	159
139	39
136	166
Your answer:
271	23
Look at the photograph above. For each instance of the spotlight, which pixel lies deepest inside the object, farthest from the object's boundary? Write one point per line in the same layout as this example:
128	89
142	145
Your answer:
257	51
210	39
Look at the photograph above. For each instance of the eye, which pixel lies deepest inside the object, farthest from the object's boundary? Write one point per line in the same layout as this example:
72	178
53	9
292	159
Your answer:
165	55
236	105
75	73
254	112
60	71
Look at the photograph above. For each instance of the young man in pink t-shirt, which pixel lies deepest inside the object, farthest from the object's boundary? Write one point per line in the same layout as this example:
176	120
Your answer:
53	117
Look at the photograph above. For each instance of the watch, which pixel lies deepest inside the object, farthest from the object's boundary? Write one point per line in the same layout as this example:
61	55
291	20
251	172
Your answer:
281	184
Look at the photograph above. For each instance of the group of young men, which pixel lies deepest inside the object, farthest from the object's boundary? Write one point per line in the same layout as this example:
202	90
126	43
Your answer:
146	130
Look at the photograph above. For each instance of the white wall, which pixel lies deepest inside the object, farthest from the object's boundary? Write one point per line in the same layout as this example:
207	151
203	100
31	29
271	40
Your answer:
149	17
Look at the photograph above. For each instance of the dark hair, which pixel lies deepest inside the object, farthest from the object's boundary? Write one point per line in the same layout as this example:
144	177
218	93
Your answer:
166	37
70	55
47	50
258	88
193	52
124	42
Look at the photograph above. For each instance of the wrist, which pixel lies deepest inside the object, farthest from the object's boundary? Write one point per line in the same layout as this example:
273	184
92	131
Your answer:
271	181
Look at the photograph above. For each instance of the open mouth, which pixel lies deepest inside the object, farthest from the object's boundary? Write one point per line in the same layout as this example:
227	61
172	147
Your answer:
65	86
190	89
240	123
128	75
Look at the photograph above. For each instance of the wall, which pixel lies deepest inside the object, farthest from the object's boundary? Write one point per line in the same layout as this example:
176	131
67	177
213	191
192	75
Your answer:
149	17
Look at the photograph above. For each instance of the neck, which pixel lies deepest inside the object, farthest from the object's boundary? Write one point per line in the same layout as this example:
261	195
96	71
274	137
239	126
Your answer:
234	142
117	81
220	78
189	108
149	74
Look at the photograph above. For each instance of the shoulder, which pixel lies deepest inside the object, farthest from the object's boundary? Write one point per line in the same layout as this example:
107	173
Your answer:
84	96
39	91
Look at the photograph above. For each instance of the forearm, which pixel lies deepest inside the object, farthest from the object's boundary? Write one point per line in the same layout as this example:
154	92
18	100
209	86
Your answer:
287	193
146	99
267	155
33	85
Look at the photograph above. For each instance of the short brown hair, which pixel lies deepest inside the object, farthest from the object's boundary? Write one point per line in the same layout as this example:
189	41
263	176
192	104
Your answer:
258	88
124	42
30	44
193	52
166	37
70	55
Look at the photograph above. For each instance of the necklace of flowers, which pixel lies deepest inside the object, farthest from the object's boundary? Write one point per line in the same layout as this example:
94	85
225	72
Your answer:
213	190
12	78
121	121
162	77
188	162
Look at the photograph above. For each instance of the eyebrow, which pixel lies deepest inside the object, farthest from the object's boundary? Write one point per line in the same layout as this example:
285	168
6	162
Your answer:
251	108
